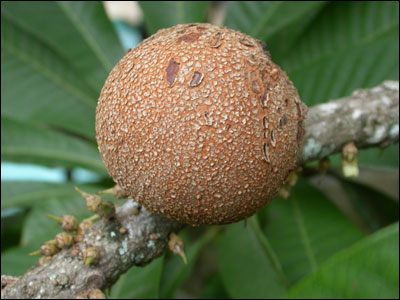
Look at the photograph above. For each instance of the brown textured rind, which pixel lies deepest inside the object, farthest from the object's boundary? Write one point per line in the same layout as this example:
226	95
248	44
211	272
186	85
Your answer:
195	150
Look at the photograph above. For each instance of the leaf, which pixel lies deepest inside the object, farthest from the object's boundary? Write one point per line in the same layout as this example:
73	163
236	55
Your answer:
139	282
26	143
368	269
214	288
175	272
37	80
382	180
28	193
163	14
15	261
338	55
373	207
25	193
387	157
80	32
246	270
306	229
277	22
12	220
38	228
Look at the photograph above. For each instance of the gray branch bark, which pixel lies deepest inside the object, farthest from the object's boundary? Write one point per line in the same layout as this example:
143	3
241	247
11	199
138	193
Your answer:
368	117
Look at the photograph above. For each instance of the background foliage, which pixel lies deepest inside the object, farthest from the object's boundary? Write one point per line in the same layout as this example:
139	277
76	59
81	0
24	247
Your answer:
333	238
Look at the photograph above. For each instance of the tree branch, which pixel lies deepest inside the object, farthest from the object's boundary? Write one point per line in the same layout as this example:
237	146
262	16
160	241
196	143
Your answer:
369	117
66	275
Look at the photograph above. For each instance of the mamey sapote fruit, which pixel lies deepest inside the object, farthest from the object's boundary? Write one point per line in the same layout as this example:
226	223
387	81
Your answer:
199	125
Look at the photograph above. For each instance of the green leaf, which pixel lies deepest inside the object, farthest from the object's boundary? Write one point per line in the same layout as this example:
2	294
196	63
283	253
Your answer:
38	228
163	14
382	180
139	282
175	272
15	261
387	157
12	220
338	55
28	193
368	269
374	208
25	143
306	229
245	268
214	288
265	20
40	87
79	32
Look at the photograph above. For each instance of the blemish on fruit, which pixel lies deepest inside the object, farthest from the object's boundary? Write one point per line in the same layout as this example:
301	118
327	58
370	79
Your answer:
265	153
196	79
172	71
273	141
245	41
283	121
265	123
254	83
208	119
286	102
216	40
189	38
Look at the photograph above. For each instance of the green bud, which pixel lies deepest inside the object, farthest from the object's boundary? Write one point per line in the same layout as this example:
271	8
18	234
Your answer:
69	223
176	245
106	209
64	240
49	248
92	201
91	256
349	160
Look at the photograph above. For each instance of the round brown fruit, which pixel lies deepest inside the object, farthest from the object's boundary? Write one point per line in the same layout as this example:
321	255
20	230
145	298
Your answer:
199	125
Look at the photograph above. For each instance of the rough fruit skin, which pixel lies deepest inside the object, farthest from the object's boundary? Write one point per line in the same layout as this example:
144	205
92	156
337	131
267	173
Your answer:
199	125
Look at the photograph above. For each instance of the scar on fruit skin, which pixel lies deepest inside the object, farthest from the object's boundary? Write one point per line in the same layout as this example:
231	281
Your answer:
172	70
189	38
196	79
